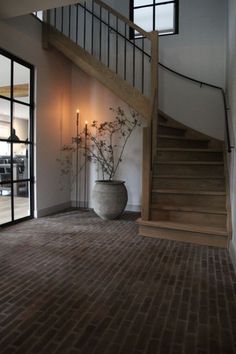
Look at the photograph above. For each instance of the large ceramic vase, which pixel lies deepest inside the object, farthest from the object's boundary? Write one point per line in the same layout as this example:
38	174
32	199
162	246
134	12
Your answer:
109	199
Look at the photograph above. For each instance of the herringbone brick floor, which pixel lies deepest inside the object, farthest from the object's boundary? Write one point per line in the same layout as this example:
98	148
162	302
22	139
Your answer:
72	283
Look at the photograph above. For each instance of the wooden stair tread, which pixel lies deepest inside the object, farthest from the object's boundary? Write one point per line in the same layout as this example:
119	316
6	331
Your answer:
188	209
181	191
185	227
189	162
188	176
181	138
188	149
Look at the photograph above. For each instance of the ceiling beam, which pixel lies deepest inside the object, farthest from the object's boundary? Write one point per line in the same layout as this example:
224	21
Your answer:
21	90
13	8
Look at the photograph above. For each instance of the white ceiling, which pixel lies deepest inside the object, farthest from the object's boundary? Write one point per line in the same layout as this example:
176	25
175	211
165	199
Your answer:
13	8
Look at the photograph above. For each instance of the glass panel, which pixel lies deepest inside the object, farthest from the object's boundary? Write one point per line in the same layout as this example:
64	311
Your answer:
20	161
143	18
143	2
20	122
5	76
5	162
21	83
21	200
5	204
5	119
161	1
165	18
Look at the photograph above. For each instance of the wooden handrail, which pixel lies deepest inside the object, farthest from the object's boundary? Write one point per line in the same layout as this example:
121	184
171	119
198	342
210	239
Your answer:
123	18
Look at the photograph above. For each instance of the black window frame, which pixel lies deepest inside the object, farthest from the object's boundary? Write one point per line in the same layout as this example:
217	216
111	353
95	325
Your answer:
154	5
29	141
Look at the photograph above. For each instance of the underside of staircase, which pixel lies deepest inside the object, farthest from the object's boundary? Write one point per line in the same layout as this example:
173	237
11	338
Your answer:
189	187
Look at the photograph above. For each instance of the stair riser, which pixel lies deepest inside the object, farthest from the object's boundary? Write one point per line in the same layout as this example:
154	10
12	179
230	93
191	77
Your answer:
195	218
184	236
189	184
189	170
178	143
204	201
171	131
189	156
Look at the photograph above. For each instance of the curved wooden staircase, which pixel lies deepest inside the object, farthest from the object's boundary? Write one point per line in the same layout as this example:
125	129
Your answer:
189	190
184	174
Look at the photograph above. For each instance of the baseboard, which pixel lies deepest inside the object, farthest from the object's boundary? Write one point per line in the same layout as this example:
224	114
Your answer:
80	204
132	207
52	210
232	253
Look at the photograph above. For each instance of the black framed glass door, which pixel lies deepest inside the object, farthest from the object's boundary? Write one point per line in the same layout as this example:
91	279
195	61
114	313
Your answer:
16	138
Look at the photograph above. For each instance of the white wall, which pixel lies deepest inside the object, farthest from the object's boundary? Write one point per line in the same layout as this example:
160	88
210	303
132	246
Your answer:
94	101
199	51
231	87
22	37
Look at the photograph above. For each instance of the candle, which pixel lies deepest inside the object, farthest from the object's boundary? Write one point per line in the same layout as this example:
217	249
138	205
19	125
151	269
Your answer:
77	116
86	128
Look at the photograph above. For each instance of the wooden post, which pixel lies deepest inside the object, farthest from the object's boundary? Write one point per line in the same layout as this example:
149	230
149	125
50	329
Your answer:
154	90
146	175
154	62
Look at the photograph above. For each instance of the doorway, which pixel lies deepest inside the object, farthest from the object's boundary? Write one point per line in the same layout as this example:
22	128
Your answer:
16	139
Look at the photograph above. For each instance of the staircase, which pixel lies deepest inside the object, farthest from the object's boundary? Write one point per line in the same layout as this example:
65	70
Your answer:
184	176
189	192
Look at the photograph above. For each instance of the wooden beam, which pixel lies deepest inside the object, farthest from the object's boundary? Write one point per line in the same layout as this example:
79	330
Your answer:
21	90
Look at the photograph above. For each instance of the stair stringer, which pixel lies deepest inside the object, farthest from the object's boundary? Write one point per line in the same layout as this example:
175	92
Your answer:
93	67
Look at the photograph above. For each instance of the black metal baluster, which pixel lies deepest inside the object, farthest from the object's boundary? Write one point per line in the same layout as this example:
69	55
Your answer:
84	25
76	25
55	17
69	20
116	44
142	64
134	63
125	52
108	40
100	35
92	29
62	19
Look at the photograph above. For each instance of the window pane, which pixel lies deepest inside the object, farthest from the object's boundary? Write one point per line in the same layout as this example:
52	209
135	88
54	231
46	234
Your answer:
5	162
5	204
20	161
5	119
165	18
143	2
160	1
5	76
20	122
144	18
21	83
21	200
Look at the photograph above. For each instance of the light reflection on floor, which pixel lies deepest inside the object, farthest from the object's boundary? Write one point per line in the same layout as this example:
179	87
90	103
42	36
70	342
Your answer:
21	208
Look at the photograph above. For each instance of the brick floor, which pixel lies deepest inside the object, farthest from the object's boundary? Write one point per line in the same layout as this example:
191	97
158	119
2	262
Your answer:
72	283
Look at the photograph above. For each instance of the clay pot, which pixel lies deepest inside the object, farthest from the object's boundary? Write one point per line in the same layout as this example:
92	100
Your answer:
109	198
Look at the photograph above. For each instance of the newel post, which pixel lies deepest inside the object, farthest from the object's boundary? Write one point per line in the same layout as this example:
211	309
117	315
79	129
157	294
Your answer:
154	90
